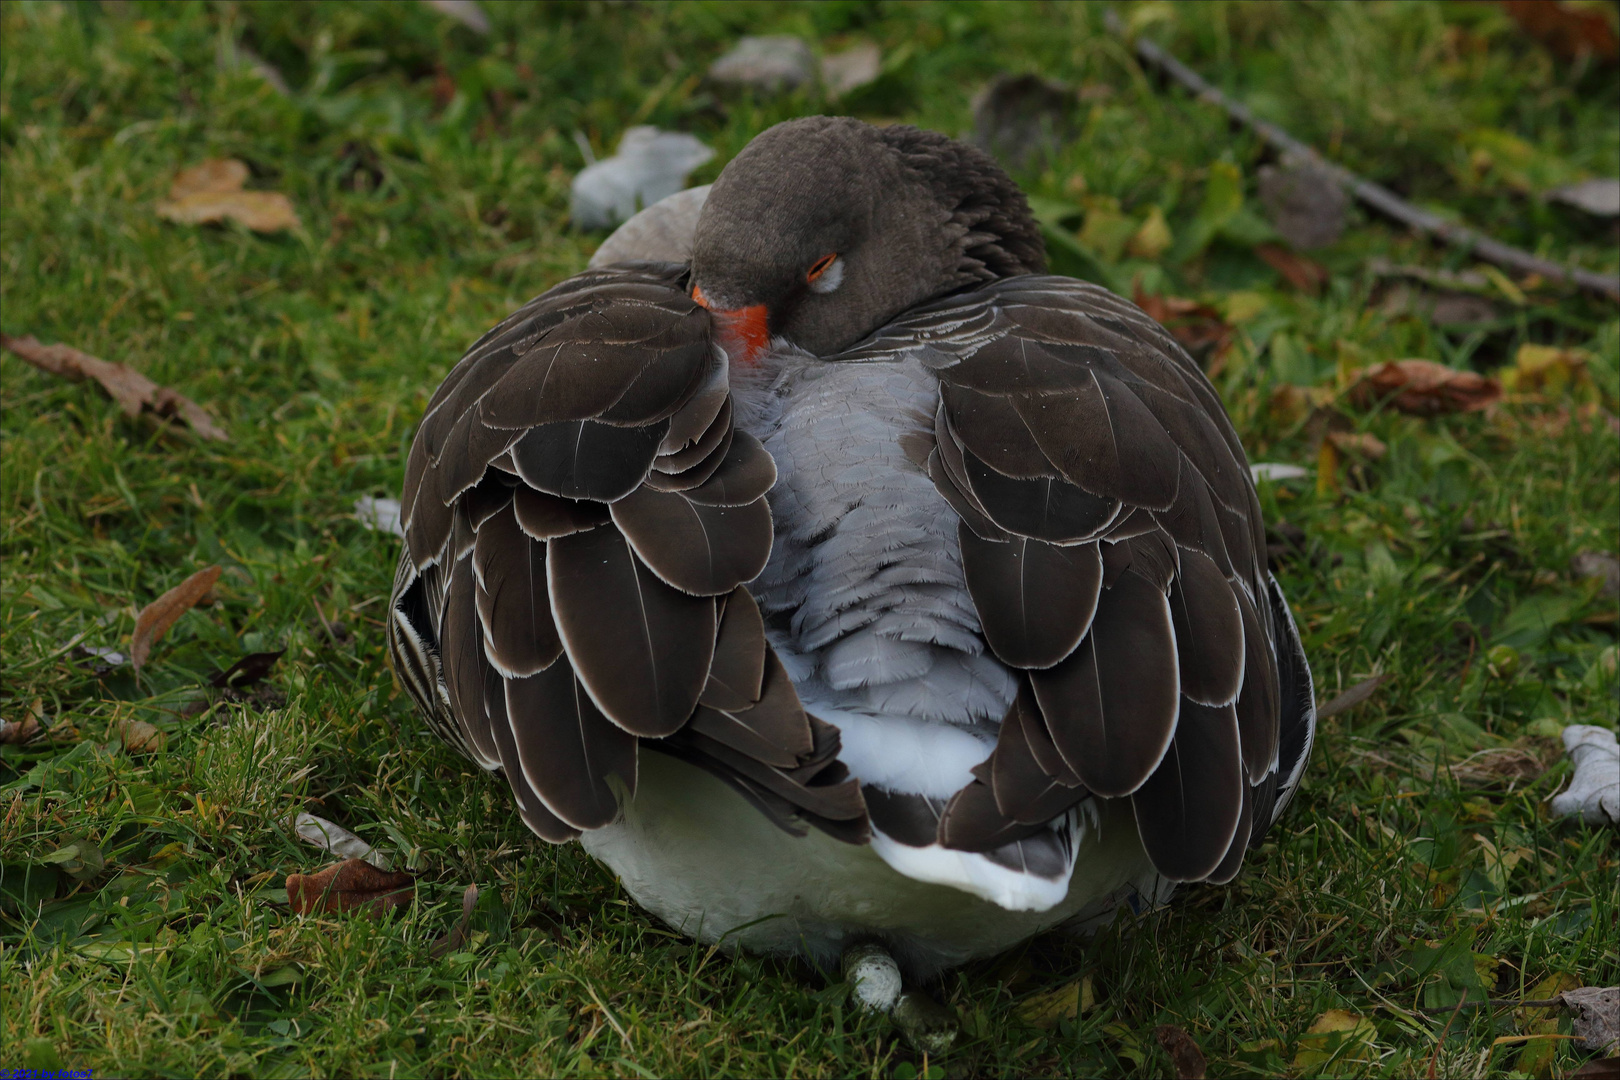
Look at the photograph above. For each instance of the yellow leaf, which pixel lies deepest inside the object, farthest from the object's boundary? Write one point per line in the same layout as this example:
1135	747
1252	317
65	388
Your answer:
1337	1043
1548	370
1241	307
1538	1056
1067	1002
1106	231
1327	469
1153	238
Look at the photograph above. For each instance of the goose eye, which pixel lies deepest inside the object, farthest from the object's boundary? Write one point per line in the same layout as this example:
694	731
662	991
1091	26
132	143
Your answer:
826	275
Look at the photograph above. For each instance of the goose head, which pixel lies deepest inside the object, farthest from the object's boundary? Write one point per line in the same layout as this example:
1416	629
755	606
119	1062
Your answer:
823	229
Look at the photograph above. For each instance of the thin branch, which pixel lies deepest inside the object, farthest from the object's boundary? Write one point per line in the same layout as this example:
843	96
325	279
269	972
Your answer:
1374	195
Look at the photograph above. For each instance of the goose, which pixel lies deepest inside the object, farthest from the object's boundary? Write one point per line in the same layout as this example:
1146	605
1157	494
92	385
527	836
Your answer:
845	582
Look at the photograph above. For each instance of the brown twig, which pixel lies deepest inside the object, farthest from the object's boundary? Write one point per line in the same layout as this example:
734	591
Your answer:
1376	196
1435	1056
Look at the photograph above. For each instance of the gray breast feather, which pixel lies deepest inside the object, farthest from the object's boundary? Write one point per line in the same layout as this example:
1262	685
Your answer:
865	581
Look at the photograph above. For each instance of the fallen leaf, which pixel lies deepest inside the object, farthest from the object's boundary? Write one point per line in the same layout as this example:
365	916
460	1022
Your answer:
459	933
1291	403
1337	1040
347	885
1600	566
1539	1056
1600	198
79	859
1597	1016
261	211
133	391
1359	443
768	64
156	618
1598	1069
336	839
1198	326
1306	275
215	174
1327	469
1067	1002
851	69
1594	791
1423	388
104	659
465	12
1020	118
1567	29
1153	238
212	192
20	731
1352	697
139	737
1304	201
245	672
649	166
1184	1053
1496	766
1548	370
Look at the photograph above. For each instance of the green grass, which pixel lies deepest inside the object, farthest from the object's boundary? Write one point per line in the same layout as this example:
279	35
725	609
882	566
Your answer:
431	170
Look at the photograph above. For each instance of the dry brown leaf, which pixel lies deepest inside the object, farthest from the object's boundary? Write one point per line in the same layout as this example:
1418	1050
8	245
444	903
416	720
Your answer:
156	618
18	732
1598	1069
1306	275
350	884
1199	327
1359	443
139	737
1567	29
132	391
1597	1016
212	192
261	211
1423	388
1184	1053
1496	766
215	174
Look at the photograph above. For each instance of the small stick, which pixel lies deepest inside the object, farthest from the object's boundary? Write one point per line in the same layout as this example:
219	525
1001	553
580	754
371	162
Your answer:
1374	195
1434	1057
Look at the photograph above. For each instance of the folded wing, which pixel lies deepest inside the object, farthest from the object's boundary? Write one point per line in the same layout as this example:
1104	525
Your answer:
1112	543
580	516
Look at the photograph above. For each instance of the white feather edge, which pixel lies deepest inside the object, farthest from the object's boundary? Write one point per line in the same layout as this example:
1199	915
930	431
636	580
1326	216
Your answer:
919	757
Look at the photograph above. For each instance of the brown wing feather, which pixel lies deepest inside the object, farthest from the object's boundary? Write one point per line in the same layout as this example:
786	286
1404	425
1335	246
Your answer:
578	488
1067	416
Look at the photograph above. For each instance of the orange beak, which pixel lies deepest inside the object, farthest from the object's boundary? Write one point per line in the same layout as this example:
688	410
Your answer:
744	332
